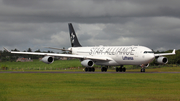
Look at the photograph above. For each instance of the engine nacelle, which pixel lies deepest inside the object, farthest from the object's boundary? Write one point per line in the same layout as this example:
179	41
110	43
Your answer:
162	60
87	63
48	59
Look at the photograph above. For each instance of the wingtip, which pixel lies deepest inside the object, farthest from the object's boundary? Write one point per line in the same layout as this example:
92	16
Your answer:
6	49
174	51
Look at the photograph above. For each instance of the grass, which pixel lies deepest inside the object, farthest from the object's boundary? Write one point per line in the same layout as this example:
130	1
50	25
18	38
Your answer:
74	64
89	87
36	65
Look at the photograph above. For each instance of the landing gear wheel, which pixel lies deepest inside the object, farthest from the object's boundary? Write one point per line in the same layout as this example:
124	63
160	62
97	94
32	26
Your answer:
89	69
117	69
142	70
86	69
93	69
124	69
120	69
103	69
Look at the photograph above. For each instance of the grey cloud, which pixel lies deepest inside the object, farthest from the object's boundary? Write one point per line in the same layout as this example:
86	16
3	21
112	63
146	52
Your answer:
80	10
20	3
38	23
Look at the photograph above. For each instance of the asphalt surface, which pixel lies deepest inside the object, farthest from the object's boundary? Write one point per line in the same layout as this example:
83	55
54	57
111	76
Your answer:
78	72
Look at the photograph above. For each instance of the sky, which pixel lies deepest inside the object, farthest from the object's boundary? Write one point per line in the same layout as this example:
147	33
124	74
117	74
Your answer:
38	24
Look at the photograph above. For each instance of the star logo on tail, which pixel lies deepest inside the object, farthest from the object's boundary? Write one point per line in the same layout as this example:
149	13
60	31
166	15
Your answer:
72	37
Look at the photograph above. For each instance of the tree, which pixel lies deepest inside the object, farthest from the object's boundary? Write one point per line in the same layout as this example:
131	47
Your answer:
15	49
29	50
38	50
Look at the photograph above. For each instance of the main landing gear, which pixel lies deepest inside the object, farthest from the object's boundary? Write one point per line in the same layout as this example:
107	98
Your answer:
89	69
104	69
121	69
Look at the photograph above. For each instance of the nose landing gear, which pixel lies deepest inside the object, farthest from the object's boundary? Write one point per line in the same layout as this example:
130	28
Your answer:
143	68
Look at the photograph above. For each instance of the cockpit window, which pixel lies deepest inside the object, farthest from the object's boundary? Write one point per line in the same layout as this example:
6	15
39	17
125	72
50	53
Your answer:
148	51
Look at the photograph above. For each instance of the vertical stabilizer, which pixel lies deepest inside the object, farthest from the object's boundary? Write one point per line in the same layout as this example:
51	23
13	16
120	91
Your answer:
73	37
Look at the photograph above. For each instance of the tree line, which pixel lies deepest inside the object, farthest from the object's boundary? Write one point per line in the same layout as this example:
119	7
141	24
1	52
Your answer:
6	56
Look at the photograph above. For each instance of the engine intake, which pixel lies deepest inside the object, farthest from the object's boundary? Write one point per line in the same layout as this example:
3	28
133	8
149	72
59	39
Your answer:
48	59
162	60
87	63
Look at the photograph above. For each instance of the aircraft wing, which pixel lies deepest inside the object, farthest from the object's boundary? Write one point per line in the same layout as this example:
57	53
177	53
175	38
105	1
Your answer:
58	49
62	55
162	54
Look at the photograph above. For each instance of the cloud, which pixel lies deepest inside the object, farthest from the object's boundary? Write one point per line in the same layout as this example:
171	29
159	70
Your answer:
80	10
39	23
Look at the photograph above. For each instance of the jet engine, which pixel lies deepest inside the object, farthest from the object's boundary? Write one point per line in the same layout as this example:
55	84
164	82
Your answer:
162	60
48	59
87	63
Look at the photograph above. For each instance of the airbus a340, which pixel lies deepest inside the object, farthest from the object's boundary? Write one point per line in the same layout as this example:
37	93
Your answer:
105	55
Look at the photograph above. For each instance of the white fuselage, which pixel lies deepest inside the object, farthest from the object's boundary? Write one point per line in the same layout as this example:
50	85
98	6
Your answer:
120	55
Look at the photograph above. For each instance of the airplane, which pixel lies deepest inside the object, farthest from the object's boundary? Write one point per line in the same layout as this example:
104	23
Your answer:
104	55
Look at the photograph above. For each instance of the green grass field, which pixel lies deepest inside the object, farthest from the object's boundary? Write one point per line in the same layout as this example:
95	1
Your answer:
89	87
36	65
71	64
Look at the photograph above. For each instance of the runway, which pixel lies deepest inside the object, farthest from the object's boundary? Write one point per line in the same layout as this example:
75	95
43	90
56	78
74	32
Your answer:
79	72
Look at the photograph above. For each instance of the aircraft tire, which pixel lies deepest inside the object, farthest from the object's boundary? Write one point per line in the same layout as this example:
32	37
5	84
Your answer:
90	69
93	69
117	69
124	69
142	70
102	69
105	69
86	69
120	69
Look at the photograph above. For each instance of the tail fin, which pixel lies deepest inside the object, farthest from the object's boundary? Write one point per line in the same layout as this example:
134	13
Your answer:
73	37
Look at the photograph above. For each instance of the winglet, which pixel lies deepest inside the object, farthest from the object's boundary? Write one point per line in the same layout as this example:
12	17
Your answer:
174	51
6	49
